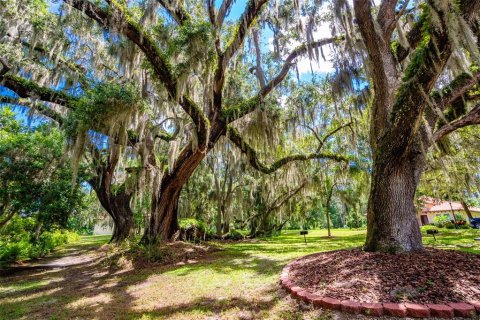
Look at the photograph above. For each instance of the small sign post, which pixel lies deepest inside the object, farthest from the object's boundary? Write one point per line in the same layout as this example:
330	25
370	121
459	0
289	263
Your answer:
432	232
304	233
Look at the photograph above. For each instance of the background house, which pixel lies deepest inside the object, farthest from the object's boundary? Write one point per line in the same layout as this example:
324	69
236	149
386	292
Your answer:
103	225
432	207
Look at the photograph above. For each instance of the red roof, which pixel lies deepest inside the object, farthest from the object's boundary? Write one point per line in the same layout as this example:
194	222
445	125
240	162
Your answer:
449	206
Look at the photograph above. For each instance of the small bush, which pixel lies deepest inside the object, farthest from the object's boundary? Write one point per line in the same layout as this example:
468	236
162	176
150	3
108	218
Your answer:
441	221
449	225
19	247
235	235
193	230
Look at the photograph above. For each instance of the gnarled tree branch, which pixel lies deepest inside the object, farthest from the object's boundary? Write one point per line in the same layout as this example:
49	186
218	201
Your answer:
176	10
145	43
249	105
471	118
254	161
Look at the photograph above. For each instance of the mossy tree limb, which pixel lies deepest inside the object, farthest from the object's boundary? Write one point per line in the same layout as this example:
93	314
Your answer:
30	89
247	106
471	118
255	162
135	33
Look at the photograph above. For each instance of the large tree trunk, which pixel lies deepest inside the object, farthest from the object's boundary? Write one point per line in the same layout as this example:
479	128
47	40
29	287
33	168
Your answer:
117	204
163	223
118	207
163	219
392	217
123	217
467	209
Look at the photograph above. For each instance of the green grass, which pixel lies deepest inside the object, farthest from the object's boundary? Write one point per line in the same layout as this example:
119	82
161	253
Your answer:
241	278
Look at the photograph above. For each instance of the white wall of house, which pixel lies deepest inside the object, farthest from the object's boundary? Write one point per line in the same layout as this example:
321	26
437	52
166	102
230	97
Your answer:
431	215
103	226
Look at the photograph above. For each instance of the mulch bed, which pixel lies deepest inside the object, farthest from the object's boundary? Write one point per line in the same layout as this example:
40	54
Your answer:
432	276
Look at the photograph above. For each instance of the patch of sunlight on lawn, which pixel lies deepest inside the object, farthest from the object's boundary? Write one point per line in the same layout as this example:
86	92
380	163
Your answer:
26	285
451	239
96	300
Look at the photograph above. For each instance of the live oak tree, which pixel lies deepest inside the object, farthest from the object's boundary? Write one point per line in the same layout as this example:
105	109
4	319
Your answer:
412	51
186	67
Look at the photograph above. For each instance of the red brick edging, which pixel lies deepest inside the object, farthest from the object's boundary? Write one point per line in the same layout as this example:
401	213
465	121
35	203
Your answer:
446	311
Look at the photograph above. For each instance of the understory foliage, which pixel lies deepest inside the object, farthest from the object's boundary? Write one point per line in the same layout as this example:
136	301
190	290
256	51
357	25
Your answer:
18	241
36	192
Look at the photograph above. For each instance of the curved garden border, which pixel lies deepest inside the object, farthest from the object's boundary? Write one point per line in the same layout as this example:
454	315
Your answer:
448	310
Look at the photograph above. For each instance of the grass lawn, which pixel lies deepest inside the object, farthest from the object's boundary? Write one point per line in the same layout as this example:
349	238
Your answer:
238	282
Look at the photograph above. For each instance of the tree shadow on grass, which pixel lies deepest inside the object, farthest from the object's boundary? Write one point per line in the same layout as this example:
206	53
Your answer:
93	289
209	306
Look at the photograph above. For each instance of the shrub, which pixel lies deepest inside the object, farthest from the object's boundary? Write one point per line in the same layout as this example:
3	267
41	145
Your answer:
449	225
20	246
235	235
441	221
193	230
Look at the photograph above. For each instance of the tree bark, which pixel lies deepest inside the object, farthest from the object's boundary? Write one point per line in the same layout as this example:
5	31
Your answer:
118	207
163	223
467	209
327	212
391	213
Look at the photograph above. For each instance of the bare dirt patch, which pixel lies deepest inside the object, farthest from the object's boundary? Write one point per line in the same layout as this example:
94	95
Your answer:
432	276
175	253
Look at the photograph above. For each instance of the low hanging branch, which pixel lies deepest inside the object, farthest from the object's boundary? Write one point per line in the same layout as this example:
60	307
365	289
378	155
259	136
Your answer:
254	161
29	89
471	118
245	107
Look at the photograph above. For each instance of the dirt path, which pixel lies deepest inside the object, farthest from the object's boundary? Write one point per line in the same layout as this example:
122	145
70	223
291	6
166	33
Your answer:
66	256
